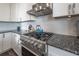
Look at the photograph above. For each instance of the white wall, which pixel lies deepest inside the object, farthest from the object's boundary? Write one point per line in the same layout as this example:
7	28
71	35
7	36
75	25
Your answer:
60	26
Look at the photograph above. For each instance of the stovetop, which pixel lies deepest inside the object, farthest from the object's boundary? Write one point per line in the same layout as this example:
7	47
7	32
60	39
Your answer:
42	36
37	44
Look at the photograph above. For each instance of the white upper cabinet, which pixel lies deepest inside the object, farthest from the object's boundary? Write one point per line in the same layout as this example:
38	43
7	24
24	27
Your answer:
4	12
19	11
76	8
24	7
65	9
60	9
15	12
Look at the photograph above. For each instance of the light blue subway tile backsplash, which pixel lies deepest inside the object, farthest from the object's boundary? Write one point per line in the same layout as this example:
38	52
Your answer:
8	26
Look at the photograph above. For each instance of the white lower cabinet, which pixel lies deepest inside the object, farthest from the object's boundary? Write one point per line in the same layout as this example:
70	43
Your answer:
16	43
52	51
6	41
10	40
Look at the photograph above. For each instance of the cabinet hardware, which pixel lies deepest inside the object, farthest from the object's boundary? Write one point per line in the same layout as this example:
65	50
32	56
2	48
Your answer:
69	9
73	5
3	35
73	8
69	16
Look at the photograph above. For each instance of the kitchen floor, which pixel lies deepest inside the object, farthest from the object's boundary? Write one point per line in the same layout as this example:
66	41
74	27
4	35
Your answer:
9	53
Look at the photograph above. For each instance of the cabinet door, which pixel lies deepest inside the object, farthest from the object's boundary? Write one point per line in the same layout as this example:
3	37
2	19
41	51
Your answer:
53	51
13	11
24	7
60	9
1	36
16	43
4	12
19	11
13	40
15	7
6	41
76	8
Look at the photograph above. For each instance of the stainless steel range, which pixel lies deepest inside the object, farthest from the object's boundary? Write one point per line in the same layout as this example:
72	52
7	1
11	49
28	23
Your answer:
36	44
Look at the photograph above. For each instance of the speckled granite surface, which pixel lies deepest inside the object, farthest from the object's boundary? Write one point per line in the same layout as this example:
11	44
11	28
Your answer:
65	42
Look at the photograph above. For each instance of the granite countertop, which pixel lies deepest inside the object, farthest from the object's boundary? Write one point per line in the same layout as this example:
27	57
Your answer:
65	42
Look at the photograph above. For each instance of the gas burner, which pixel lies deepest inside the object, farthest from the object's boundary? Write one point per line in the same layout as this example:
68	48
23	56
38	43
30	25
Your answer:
43	36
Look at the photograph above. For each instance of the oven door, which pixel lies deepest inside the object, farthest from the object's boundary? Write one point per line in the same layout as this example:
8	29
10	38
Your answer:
25	52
